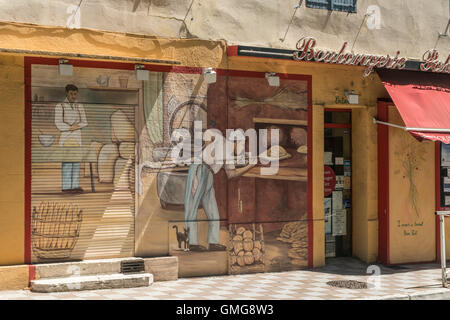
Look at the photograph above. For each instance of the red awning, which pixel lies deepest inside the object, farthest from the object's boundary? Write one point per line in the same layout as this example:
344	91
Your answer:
423	101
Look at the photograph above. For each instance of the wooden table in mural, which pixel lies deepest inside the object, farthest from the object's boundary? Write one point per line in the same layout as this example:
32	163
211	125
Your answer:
91	158
292	174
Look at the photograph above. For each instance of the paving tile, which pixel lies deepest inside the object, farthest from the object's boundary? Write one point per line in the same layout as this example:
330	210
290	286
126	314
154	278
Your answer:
12	296
217	297
85	294
184	295
300	284
42	297
253	294
115	296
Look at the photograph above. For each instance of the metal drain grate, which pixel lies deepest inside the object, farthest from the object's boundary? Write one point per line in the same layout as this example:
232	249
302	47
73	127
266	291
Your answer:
349	284
132	266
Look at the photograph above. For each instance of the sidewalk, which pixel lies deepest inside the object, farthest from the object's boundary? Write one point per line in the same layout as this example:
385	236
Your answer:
418	281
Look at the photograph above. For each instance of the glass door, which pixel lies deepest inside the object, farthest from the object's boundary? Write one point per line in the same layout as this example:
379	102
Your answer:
337	175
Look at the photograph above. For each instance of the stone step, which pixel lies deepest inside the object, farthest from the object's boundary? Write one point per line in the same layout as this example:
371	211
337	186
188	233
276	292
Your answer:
81	268
162	268
92	282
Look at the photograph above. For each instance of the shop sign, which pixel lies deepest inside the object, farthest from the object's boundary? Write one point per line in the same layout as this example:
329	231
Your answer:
329	180
306	50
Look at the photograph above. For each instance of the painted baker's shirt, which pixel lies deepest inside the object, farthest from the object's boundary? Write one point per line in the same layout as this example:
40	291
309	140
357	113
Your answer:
66	115
216	164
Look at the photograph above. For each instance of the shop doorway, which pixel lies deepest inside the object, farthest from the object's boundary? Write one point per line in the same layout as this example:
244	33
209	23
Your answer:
338	192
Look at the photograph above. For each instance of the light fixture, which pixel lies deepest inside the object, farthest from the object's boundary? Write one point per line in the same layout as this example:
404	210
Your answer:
273	79
210	75
141	72
352	97
65	69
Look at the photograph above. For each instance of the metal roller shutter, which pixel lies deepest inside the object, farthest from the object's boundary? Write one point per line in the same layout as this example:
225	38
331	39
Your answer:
68	223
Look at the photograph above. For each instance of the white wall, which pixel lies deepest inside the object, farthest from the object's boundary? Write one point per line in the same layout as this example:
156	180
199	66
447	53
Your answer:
411	26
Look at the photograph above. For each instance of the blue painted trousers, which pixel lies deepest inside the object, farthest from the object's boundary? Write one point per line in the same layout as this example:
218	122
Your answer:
201	192
70	175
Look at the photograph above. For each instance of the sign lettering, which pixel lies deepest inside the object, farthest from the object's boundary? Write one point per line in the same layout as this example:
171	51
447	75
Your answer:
306	50
431	62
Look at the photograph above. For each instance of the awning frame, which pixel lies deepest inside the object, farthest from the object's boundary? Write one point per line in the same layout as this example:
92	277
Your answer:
410	128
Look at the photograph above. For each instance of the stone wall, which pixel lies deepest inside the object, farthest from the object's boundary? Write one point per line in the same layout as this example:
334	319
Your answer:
411	26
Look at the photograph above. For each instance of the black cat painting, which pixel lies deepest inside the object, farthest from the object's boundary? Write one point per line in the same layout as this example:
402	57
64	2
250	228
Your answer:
182	237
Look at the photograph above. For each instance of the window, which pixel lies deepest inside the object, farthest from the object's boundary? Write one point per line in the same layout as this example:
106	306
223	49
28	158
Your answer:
444	175
333	5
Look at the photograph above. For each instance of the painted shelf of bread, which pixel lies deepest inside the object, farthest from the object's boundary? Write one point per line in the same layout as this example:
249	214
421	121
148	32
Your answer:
296	235
292	164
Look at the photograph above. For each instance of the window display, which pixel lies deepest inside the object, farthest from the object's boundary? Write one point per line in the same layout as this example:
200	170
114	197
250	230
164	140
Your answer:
445	175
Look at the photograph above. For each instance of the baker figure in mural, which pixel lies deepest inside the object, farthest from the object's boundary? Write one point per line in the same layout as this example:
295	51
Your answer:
70	118
200	189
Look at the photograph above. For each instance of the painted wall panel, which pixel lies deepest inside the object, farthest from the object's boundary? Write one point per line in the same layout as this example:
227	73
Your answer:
364	181
412	197
12	149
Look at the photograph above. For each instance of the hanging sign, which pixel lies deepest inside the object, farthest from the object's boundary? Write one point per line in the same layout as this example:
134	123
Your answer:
329	180
339	222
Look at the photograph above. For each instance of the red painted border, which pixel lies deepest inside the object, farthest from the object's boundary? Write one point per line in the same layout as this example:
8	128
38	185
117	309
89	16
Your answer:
28	61
232	51
383	184
437	179
259	74
310	176
31	274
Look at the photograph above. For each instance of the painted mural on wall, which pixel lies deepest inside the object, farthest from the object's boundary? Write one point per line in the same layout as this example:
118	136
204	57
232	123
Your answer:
412	158
102	146
246	249
279	203
225	219
83	159
178	214
412	195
